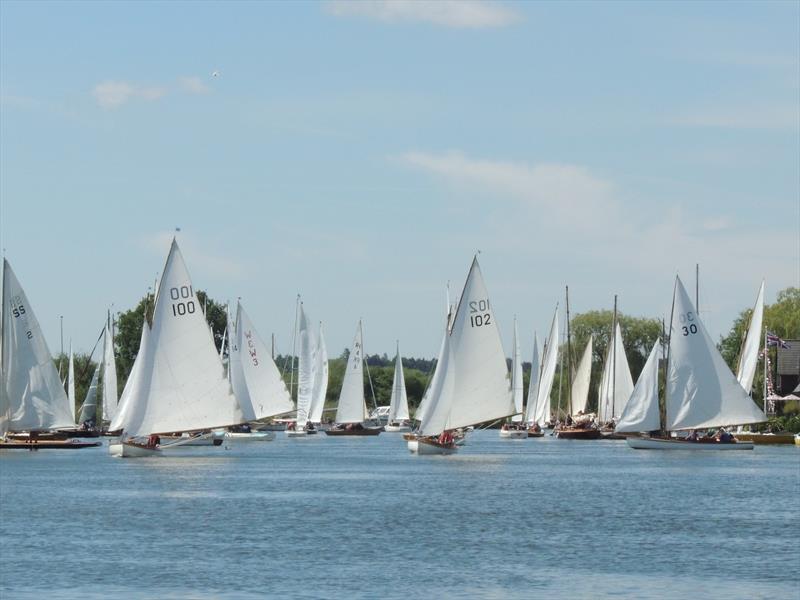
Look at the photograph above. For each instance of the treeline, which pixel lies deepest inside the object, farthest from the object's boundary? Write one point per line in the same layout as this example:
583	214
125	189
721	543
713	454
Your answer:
639	335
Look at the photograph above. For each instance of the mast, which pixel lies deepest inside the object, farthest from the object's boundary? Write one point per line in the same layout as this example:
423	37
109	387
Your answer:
614	360
569	361
294	344
697	288
766	359
666	363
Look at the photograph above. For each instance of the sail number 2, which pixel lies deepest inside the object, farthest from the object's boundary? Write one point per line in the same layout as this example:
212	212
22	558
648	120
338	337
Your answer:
479	313
687	327
182	293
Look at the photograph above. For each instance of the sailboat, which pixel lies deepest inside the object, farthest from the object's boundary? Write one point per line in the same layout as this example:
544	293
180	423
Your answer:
616	382
472	377
516	430
419	414
543	410
701	391
534	430
306	374
32	396
352	409
255	379
398	419
320	389
109	371
177	382
578	426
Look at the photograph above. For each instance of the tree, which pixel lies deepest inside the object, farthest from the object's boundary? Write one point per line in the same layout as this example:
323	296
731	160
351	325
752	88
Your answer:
84	369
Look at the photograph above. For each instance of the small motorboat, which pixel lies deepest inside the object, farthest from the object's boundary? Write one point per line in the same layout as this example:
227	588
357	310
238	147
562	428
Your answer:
514	431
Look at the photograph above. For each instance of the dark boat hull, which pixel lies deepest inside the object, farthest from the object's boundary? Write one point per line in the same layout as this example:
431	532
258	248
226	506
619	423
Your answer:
572	433
364	431
47	445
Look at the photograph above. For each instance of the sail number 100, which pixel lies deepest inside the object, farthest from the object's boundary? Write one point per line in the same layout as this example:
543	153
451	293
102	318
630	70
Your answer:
479	313
182	293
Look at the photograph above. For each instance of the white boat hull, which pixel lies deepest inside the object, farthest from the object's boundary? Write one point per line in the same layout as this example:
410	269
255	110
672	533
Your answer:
395	428
296	433
675	444
514	434
413	446
127	450
427	448
254	436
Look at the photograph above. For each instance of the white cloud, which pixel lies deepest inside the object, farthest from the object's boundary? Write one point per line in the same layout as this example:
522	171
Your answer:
193	85
111	94
472	14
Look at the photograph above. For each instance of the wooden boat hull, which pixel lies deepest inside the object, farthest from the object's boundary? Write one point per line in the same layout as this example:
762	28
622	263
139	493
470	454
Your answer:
364	431
73	444
535	434
578	434
641	443
766	438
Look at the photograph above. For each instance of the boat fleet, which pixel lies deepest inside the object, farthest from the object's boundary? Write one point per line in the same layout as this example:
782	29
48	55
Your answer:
180	392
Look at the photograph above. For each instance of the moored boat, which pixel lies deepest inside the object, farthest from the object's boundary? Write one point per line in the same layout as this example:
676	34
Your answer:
52	444
655	443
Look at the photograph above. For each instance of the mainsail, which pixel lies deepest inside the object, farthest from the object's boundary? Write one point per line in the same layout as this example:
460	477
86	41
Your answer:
472	386
352	407
320	379
183	385
516	376
398	404
549	363
89	406
109	372
580	384
702	392
31	388
255	379
533	386
616	383
641	411
748	358
71	382
306	363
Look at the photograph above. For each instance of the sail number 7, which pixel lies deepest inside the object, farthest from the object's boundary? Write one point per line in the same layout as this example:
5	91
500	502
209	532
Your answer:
180	294
688	327
479	313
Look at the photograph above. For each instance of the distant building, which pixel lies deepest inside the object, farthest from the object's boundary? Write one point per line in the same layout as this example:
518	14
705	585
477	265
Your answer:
788	368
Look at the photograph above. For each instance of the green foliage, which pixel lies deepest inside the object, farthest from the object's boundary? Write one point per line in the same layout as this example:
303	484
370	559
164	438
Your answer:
84	369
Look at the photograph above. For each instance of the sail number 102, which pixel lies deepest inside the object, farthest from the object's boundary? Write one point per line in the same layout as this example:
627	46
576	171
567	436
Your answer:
479	313
181	304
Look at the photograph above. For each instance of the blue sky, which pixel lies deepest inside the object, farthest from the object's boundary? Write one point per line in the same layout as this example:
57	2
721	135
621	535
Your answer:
360	153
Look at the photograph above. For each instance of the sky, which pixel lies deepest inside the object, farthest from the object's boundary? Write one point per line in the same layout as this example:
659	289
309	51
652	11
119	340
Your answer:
360	154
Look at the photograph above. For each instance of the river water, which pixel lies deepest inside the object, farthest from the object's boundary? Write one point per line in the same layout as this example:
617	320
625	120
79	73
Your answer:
362	518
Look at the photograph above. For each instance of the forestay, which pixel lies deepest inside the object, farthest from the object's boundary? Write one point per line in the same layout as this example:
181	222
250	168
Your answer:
352	407
641	412
398	404
473	385
255	379
31	387
516	376
580	384
543	408
183	382
702	392
748	359
616	383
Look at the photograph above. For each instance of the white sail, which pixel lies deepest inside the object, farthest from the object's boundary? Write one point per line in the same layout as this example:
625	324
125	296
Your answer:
352	407
320	379
549	363
474	379
185	386
702	392
89	406
398	404
31	387
306	363
255	379
135	385
641	411
580	383
109	373
616	383
71	382
533	386
516	376
748	359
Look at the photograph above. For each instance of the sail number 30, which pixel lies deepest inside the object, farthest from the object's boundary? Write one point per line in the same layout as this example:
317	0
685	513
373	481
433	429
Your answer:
182	293
479	313
688	327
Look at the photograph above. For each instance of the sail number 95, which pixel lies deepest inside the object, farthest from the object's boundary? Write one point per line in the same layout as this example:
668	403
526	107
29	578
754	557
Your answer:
479	313
183	305
688	327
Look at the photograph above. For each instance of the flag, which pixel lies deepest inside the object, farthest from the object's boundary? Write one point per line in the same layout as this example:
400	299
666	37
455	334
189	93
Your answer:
774	340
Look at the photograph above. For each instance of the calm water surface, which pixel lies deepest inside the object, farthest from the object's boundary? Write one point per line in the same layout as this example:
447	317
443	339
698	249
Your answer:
362	518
